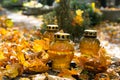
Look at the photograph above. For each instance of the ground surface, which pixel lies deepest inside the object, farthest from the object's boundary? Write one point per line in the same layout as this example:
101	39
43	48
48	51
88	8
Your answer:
108	32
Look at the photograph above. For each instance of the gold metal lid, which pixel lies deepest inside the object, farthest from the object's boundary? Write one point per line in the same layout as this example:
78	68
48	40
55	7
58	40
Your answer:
61	36
90	33
52	27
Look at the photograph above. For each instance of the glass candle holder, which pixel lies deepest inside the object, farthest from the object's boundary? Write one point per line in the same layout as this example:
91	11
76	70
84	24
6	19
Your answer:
49	33
89	44
61	52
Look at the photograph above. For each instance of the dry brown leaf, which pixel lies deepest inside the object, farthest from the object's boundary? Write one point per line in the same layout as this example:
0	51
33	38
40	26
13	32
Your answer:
68	73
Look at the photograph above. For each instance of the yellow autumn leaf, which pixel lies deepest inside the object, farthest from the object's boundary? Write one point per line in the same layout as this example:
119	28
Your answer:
9	23
26	63
20	56
37	48
61	31
2	56
11	71
37	65
38	45
24	79
21	59
3	31
46	43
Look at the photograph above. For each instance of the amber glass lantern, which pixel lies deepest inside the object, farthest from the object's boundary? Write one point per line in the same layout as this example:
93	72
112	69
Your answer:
49	33
92	52
89	44
61	52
